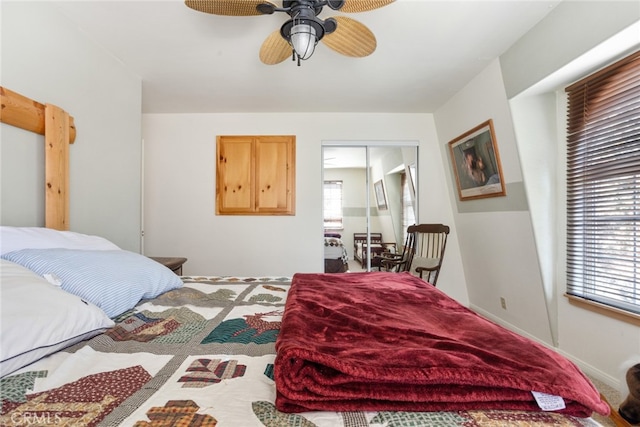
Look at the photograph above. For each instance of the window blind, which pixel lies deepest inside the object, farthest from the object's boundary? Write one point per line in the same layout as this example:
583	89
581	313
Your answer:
332	204
603	186
408	215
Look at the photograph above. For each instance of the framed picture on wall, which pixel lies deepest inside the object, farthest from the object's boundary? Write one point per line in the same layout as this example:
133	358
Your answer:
476	163
381	199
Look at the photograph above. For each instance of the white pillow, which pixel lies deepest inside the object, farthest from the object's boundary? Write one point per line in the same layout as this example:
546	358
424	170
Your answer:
16	238
38	318
115	280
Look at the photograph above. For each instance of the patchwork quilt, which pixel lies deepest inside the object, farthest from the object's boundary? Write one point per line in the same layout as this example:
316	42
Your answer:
201	355
334	249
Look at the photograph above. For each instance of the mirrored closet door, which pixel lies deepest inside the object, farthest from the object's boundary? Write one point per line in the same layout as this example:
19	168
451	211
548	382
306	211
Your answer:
369	200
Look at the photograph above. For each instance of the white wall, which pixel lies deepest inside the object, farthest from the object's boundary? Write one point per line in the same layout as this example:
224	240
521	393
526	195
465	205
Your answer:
495	234
601	344
607	31
572	29
180	191
514	246
46	58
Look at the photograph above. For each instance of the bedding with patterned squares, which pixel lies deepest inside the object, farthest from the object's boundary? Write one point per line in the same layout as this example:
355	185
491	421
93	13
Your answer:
199	355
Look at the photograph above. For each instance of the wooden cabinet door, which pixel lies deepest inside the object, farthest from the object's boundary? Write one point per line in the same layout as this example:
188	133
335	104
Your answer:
255	175
274	180
234	175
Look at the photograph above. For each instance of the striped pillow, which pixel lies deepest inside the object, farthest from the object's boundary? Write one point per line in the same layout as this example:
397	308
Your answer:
114	280
16	238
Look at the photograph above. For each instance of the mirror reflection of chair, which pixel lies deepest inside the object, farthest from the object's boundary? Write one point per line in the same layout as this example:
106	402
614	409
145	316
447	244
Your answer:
429	245
399	261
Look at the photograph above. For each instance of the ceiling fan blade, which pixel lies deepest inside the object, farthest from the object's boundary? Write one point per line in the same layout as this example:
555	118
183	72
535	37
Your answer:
274	49
363	5
228	7
351	38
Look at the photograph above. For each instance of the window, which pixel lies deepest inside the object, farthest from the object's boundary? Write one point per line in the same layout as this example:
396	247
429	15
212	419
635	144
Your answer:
408	213
603	186
333	205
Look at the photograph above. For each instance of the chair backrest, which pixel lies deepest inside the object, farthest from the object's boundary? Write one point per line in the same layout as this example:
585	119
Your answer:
398	261
429	246
404	263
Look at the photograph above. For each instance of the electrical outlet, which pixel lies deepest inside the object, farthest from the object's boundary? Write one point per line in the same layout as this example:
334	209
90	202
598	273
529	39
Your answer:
503	303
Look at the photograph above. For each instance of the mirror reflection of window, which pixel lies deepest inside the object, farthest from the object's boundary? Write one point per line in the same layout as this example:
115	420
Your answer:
412	176
333	205
408	211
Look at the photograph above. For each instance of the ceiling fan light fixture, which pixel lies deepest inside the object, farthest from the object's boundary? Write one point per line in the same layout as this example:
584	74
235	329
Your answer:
303	39
300	34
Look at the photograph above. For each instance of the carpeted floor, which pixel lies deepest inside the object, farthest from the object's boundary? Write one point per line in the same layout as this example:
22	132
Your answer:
613	397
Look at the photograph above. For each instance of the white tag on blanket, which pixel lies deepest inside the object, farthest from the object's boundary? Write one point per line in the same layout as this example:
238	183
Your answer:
548	402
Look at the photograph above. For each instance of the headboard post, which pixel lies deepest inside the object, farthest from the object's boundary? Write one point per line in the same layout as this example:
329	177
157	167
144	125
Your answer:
56	168
27	114
59	131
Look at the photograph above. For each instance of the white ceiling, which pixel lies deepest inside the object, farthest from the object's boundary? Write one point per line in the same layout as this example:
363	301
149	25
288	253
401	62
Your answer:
193	62
344	157
353	156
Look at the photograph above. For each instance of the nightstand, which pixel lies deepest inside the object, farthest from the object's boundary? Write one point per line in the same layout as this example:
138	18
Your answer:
173	263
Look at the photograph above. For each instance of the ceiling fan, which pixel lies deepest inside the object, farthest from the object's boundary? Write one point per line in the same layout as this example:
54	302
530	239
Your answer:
299	35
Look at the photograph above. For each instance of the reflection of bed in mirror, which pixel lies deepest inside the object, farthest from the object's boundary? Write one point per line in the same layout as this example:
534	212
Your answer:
357	167
376	244
335	254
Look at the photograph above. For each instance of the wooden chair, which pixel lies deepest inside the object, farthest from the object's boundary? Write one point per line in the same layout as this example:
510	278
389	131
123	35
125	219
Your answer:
398	262
429	245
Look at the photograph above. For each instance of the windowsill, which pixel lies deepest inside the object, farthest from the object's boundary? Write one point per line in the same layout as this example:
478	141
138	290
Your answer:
604	310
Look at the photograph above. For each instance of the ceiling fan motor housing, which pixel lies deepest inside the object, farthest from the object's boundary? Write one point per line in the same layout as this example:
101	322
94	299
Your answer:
293	5
303	12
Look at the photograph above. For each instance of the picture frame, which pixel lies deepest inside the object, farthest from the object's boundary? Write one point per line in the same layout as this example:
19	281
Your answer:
476	163
381	198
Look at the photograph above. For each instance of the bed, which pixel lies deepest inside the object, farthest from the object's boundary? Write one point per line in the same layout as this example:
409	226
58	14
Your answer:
376	244
115	338
193	351
336	259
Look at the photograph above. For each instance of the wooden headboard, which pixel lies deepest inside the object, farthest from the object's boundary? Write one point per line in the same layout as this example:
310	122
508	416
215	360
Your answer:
59	131
376	238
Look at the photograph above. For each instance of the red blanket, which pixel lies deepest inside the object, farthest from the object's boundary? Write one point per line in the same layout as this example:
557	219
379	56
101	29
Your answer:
388	341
